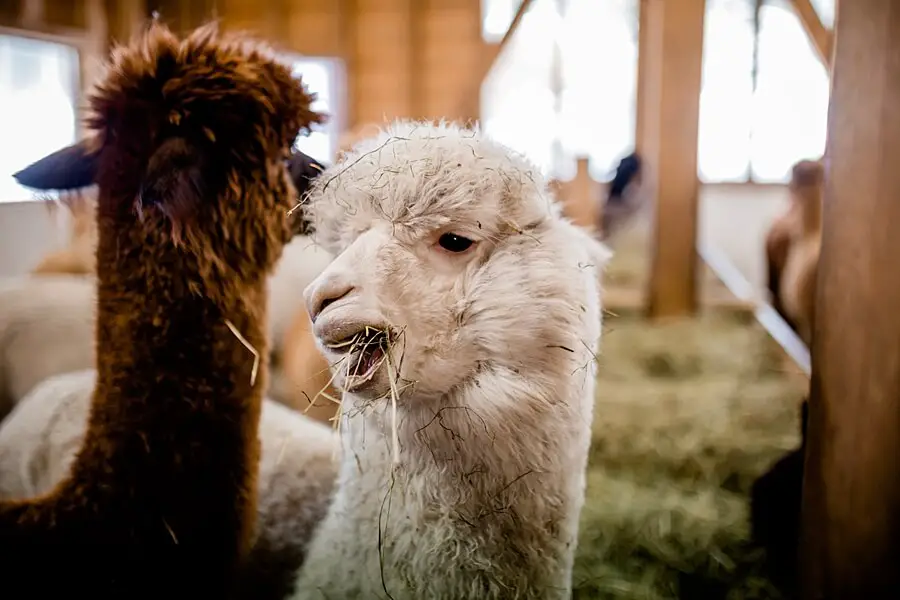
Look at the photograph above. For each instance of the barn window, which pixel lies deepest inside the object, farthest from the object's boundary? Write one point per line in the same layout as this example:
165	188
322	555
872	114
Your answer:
790	103
599	47
39	100
518	97
764	100
325	77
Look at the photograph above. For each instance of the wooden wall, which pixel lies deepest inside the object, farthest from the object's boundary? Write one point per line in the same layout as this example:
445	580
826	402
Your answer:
403	58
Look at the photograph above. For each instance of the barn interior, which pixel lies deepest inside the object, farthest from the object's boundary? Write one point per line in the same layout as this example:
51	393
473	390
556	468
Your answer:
710	342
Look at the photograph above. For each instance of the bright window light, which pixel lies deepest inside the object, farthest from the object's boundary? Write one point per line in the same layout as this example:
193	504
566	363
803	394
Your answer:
38	96
323	76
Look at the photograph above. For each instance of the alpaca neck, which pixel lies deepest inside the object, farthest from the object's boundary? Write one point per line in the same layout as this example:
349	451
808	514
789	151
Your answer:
810	209
171	371
491	474
502	425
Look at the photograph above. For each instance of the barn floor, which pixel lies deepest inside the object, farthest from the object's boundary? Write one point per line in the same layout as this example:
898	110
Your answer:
688	413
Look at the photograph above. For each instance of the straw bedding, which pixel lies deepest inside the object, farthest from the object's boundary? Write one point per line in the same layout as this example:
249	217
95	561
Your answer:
687	415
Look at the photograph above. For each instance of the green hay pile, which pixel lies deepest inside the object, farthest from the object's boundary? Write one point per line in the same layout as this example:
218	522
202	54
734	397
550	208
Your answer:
688	414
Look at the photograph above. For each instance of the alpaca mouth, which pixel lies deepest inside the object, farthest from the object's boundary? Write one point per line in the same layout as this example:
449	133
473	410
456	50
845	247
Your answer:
364	352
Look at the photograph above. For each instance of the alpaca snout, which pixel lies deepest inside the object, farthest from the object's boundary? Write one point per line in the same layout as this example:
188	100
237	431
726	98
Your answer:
324	291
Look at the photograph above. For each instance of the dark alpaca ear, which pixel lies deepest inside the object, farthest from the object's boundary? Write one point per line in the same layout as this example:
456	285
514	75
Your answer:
303	169
70	168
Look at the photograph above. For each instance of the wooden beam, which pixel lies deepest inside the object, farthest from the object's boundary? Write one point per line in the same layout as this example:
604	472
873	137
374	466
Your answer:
850	540
670	63
821	37
95	51
646	72
33	12
346	15
417	41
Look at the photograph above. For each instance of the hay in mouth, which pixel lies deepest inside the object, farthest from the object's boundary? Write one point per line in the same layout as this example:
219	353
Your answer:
366	351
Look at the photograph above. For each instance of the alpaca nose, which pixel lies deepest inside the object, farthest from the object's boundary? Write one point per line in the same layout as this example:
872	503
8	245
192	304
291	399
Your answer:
327	292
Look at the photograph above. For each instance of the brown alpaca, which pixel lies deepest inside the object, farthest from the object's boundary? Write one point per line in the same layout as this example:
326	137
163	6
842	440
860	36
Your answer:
786	229
191	138
78	257
302	372
778	245
798	280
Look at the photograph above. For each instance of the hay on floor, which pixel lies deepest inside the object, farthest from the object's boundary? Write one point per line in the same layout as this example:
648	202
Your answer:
688	414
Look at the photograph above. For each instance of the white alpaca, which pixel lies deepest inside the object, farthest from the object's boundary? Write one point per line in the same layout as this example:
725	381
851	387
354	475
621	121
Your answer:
46	328
40	437
452	243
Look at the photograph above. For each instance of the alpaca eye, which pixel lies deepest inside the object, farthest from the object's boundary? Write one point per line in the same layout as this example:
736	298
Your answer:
455	243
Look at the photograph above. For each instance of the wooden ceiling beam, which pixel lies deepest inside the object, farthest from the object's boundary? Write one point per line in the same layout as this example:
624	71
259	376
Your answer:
821	37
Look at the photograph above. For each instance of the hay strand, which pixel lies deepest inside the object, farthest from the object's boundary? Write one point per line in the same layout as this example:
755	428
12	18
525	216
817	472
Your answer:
255	369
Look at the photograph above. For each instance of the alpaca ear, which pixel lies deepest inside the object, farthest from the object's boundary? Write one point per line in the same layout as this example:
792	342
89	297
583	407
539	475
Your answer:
70	168
303	169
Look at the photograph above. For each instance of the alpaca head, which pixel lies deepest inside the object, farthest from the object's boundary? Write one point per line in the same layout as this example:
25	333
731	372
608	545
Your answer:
807	178
188	148
807	188
192	137
451	244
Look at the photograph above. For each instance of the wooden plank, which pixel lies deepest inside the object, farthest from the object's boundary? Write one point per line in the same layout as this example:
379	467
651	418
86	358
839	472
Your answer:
646	72
346	16
850	540
670	63
821	37
417	42
33	13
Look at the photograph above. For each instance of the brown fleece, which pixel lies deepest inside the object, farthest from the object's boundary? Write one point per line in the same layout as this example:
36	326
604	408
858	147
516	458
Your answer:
191	217
798	287
778	245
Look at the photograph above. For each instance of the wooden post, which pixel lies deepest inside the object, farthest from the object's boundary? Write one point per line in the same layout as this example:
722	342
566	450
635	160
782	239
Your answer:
646	72
581	196
850	542
670	62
